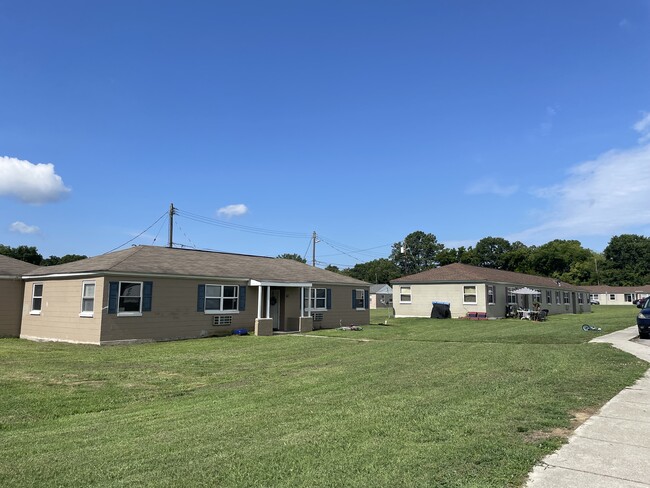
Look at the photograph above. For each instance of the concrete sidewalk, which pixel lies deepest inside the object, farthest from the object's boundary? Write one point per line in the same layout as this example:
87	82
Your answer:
612	448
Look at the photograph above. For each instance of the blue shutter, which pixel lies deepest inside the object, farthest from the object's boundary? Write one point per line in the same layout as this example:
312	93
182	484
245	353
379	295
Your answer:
242	298
200	301
147	293
354	298
328	300
366	295
112	296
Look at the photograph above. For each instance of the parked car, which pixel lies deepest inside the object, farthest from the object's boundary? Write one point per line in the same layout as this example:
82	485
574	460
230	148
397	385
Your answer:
643	318
594	301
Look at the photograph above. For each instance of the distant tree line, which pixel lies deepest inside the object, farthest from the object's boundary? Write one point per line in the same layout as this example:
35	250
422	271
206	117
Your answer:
624	262
30	254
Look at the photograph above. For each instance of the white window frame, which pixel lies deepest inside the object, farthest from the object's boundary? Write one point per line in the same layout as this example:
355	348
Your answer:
491	297
558	299
612	297
33	310
511	298
221	299
360	295
567	298
465	294
405	291
549	297
314	300
131	313
86	299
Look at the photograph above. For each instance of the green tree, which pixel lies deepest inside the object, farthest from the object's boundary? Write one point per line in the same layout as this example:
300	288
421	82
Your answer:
377	271
295	257
68	258
333	268
29	254
518	258
417	252
627	260
555	258
491	251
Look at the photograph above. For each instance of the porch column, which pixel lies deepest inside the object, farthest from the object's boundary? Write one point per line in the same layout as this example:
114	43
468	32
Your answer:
259	302
302	301
309	302
268	302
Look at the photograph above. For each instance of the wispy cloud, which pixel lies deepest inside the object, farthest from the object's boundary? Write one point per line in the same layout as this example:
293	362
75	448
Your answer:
643	128
546	126
30	183
232	210
23	228
490	186
597	198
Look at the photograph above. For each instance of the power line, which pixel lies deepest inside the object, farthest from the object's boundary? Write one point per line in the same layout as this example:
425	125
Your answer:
131	240
243	228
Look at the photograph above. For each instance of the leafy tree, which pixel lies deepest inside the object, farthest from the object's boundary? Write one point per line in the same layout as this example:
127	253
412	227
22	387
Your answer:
627	260
418	252
295	257
450	255
555	258
377	271
491	251
518	258
29	254
68	258
333	268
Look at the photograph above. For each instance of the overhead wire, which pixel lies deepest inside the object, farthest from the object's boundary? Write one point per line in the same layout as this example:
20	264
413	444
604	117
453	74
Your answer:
131	240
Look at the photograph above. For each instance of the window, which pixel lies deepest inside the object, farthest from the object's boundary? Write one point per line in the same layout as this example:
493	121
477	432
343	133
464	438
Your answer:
318	299
549	296
359	299
469	294
628	297
593	296
566	298
87	298
580	298
612	297
405	294
512	298
37	298
130	298
221	298
490	294
557	298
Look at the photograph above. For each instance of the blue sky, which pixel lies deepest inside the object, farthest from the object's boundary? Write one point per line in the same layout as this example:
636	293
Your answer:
360	120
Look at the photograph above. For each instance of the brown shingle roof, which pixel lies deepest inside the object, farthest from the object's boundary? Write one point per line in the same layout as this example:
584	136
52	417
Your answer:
14	267
617	289
153	260
463	273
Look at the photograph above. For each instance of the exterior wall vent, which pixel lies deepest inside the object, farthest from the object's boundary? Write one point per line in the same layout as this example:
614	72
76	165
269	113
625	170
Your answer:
222	320
317	316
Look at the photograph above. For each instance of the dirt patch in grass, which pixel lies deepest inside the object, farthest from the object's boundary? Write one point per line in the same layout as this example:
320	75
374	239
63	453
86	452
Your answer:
578	418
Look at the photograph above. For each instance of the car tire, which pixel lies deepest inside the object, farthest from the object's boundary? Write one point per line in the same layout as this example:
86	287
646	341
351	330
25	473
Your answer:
644	335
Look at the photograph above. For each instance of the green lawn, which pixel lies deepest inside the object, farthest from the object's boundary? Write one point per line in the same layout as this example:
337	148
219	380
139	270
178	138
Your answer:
413	403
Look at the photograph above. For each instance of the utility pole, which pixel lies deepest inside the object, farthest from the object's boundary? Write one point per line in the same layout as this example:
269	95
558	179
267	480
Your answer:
313	248
172	211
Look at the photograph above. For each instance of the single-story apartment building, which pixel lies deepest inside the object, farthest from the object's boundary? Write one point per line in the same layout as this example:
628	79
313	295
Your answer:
482	290
148	293
11	294
617	295
381	296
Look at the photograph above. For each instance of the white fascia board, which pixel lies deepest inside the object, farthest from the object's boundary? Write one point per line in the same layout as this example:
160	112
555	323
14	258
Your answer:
279	284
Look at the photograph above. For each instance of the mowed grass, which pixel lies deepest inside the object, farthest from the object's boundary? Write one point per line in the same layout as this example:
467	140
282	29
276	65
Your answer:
415	403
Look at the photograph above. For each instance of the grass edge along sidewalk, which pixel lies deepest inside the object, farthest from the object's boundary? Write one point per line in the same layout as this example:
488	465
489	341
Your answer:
423	405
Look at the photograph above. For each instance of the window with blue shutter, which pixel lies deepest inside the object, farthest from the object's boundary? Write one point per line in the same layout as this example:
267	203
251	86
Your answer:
354	298
329	299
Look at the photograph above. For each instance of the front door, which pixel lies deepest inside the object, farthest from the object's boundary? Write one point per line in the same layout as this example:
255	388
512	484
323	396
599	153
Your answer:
275	308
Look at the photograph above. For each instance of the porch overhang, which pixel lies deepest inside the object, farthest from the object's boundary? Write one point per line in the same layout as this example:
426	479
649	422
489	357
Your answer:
282	284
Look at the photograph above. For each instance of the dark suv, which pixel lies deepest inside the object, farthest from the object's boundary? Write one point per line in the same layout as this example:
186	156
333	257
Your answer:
643	318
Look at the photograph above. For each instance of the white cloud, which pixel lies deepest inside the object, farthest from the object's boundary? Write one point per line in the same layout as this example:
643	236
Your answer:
602	197
23	228
30	183
232	210
643	128
490	186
